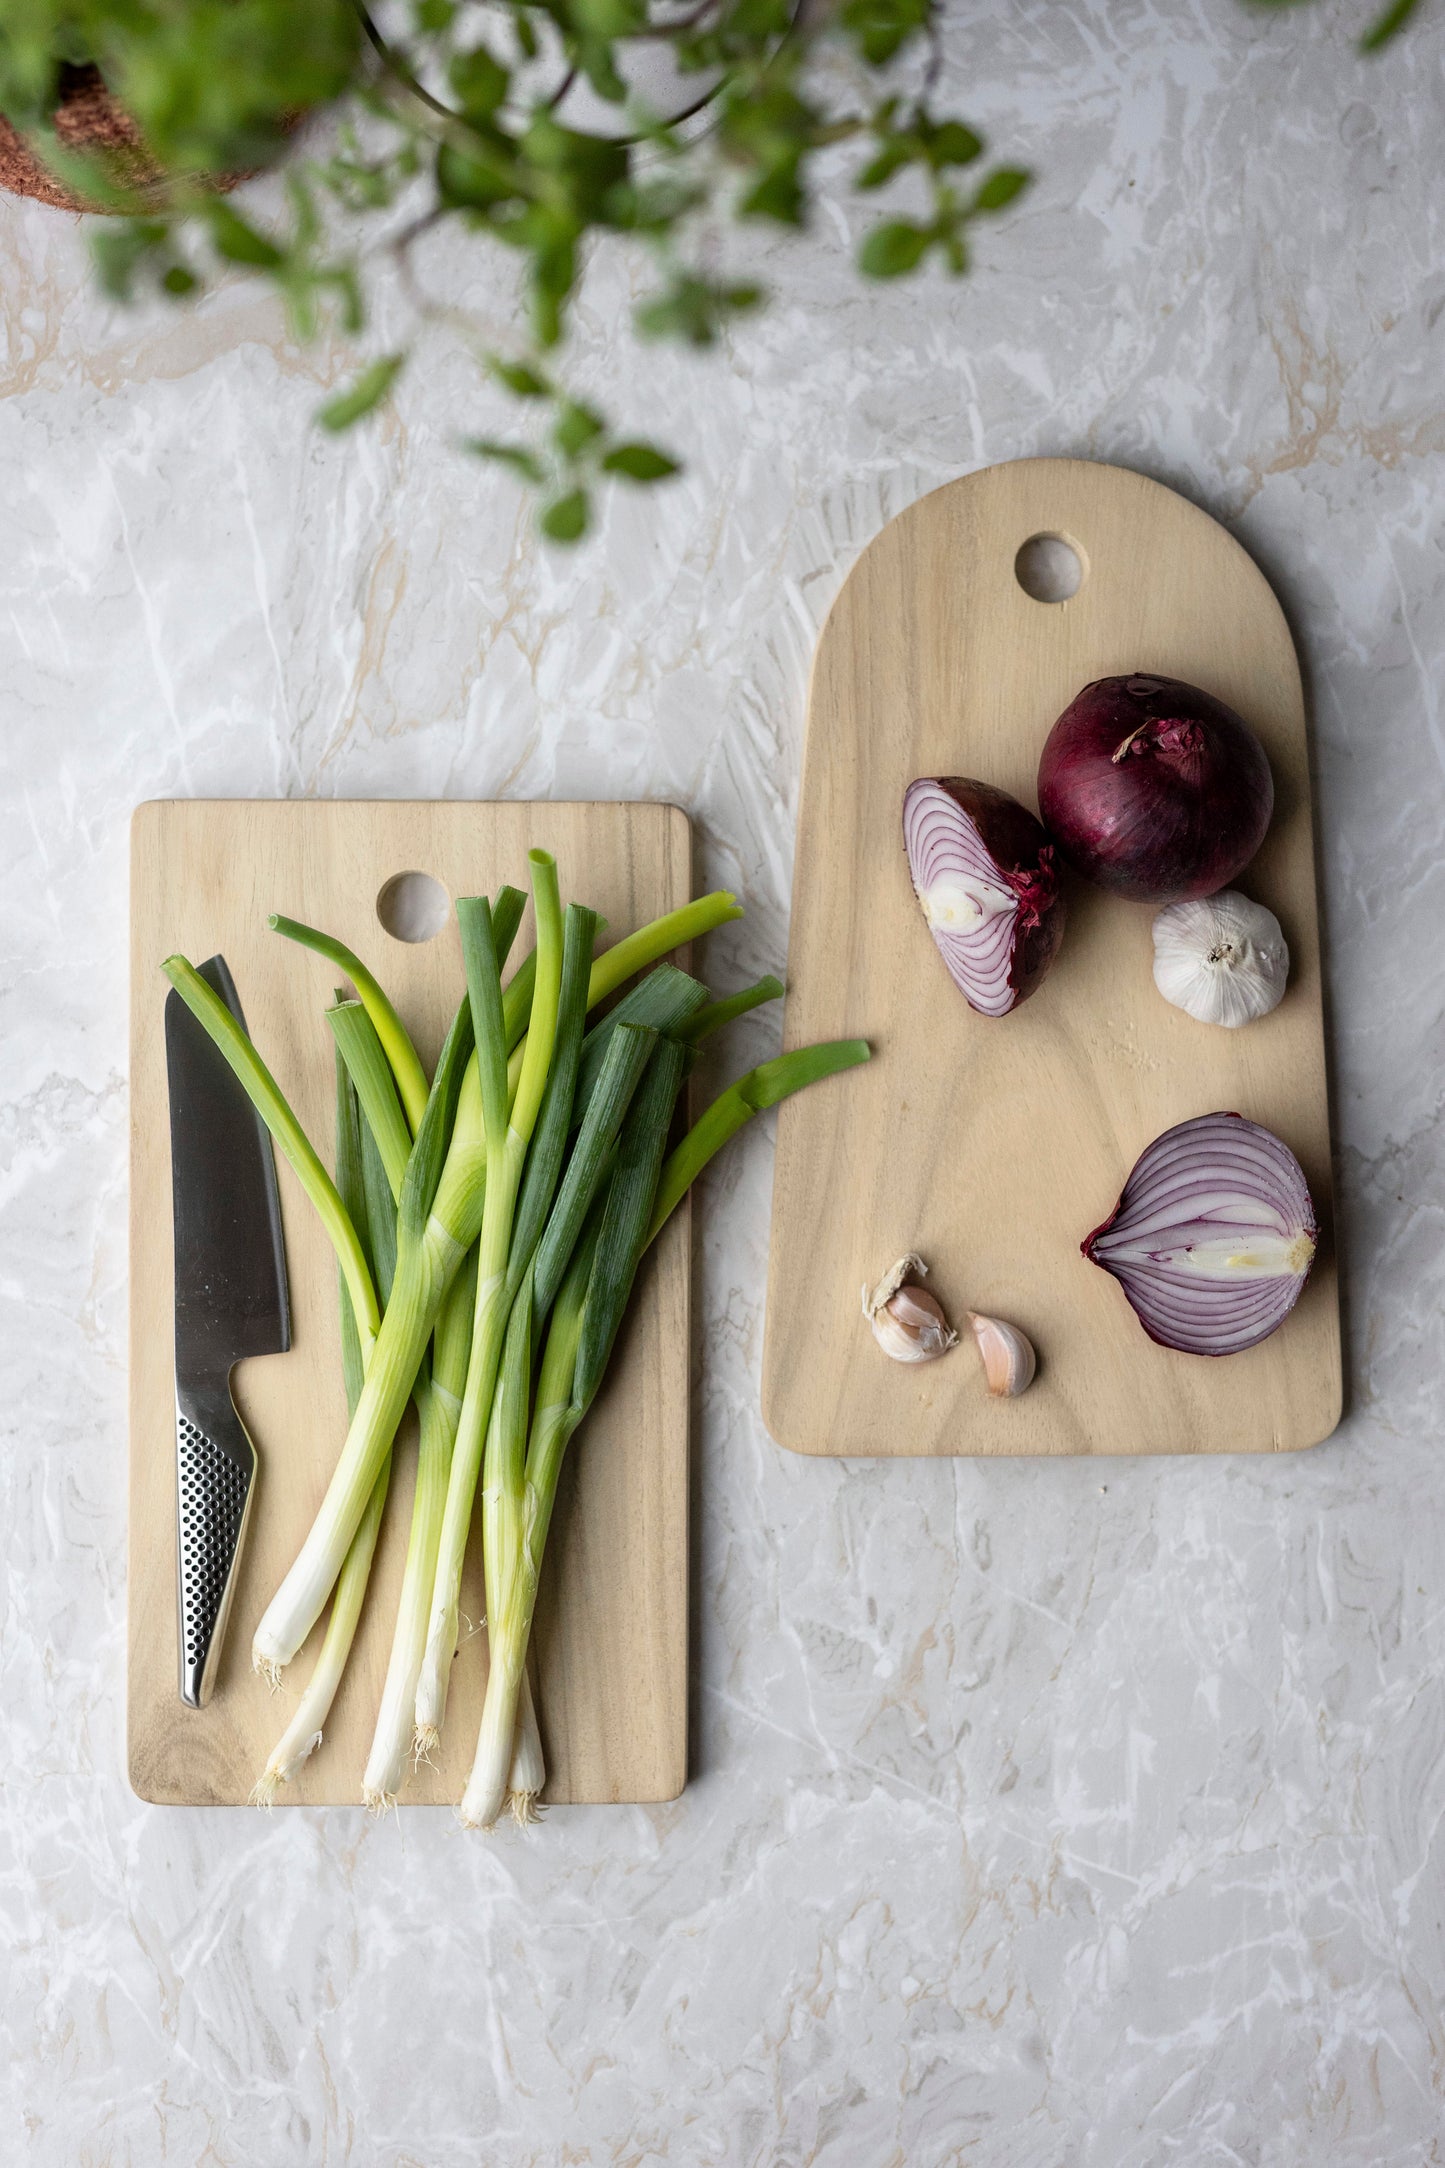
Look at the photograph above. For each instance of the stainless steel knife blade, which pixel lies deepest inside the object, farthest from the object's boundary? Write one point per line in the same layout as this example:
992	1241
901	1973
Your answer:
230	1301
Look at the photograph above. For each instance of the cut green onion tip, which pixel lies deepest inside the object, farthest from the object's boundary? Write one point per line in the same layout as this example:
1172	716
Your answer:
674	930
410	1076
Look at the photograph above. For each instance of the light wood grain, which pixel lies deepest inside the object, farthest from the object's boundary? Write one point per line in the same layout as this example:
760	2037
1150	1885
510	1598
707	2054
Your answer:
610	1646
993	1147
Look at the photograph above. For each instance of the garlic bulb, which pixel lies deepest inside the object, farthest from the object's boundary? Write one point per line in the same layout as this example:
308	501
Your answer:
1222	959
907	1323
1009	1361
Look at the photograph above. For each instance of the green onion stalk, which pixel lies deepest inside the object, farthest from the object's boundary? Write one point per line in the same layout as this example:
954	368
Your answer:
303	1735
586	1315
440	1217
440	1408
433	1237
563	965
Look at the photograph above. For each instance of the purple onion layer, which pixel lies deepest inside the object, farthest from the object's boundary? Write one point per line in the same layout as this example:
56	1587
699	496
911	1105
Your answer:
1214	1236
984	874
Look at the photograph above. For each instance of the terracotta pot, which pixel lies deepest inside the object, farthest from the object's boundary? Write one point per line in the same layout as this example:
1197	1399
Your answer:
86	118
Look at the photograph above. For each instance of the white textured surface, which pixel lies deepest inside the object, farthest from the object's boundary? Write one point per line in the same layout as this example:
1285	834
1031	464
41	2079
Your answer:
1075	1814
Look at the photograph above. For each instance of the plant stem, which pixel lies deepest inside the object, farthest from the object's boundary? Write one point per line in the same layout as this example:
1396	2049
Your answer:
674	930
440	1216
715	1014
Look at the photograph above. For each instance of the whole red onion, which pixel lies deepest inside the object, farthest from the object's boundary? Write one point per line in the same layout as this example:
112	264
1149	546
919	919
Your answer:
983	872
1154	789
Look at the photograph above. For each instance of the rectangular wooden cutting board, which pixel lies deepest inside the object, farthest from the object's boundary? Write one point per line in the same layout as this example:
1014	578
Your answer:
993	1147
610	1643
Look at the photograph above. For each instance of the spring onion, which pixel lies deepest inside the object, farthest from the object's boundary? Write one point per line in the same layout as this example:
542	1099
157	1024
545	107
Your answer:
440	1407
441	1215
434	1234
504	1208
303	1734
517	1514
508	1135
580	1337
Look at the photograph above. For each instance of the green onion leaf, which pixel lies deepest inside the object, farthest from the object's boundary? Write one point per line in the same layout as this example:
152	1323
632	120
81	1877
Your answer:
665	1001
428	1156
371	1073
410	1075
628	1211
628	1052
760	1088
554	1122
350	1187
717	1013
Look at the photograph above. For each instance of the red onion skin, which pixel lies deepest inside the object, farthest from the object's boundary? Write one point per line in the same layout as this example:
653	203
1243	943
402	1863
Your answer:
1153	789
1024	854
1311	1228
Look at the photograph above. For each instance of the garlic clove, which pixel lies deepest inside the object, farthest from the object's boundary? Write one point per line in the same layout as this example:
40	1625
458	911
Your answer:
1222	959
1009	1361
908	1324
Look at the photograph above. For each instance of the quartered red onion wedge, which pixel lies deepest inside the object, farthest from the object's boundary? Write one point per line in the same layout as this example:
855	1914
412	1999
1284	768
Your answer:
983	871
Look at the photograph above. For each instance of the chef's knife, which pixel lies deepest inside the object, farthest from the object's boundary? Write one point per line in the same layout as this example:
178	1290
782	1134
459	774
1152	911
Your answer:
231	1301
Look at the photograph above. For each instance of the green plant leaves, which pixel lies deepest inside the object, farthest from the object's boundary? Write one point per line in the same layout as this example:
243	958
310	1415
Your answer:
432	121
1001	187
480	82
695	308
238	241
565	518
1388	25
894	248
575	428
523	462
639	462
880	28
367	393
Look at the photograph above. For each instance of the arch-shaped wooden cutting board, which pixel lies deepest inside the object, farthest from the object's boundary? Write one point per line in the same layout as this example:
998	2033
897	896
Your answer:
993	1147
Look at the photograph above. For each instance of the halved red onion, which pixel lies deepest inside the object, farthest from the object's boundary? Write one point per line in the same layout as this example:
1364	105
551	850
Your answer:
983	871
1214	1236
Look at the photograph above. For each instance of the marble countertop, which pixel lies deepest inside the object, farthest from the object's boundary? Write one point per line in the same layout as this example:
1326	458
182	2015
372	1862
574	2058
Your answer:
1041	1814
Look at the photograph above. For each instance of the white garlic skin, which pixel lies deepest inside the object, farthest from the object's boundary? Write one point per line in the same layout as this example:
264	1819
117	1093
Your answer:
1009	1361
1222	959
908	1324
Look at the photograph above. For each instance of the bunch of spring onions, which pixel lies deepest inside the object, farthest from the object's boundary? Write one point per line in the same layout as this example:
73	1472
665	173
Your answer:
488	1222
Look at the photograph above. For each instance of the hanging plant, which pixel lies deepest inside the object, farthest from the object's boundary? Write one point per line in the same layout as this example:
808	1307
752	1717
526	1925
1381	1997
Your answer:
546	128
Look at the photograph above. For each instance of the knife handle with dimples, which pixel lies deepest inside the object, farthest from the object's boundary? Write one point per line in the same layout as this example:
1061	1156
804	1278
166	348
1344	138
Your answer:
215	1483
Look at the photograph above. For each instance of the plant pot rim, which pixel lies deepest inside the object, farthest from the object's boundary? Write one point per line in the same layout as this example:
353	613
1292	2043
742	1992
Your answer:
85	117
